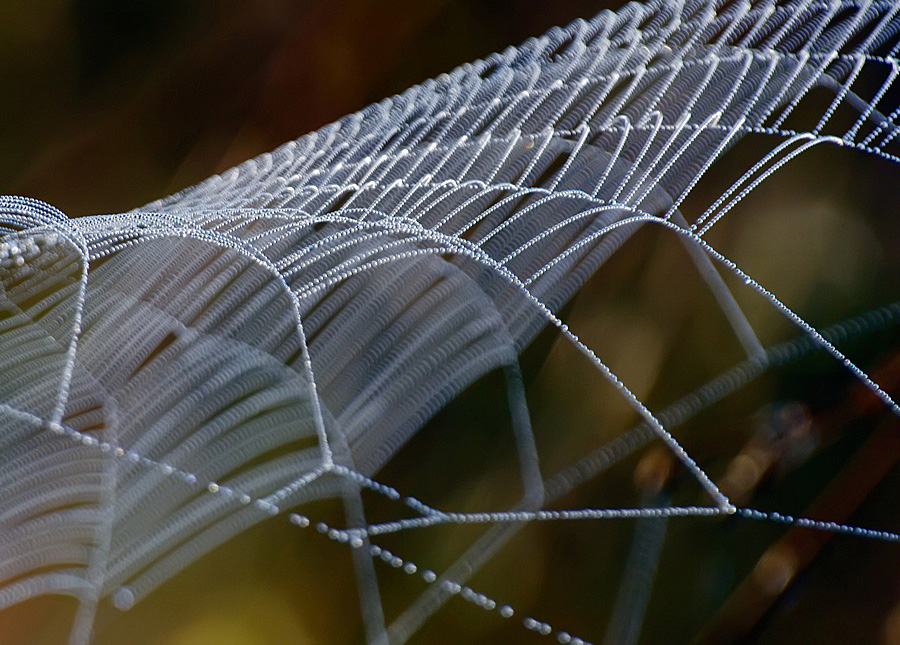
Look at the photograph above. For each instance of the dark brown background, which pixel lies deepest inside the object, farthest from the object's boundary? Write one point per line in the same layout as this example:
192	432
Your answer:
107	104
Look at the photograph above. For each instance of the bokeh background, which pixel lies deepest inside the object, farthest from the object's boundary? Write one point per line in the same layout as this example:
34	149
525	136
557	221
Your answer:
108	104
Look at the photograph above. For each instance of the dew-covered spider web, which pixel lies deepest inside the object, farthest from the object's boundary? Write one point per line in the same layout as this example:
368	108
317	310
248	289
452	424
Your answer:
289	342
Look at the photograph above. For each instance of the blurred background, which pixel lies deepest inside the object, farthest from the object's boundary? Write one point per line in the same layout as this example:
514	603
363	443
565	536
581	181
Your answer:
108	104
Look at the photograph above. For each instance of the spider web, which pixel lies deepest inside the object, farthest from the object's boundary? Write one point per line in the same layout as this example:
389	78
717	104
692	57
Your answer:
276	335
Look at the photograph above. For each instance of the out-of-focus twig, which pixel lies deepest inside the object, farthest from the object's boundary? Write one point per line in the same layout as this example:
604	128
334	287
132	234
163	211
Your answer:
779	566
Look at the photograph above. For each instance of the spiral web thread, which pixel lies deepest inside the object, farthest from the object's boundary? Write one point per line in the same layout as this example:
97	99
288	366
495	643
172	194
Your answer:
273	335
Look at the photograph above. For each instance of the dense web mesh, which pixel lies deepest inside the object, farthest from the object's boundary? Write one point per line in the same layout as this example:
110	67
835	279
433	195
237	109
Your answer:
276	335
